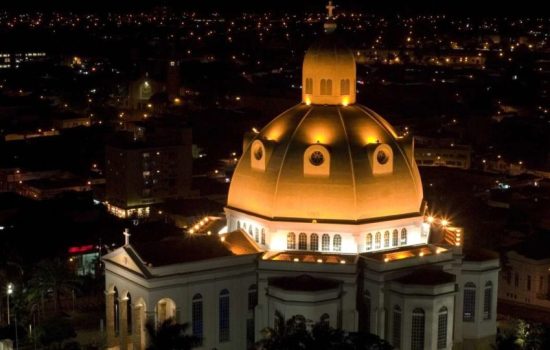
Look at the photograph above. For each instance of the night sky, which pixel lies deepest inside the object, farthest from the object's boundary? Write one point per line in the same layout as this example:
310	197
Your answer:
463	7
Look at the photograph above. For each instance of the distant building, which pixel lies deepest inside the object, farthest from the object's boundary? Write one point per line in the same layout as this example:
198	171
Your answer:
50	188
431	152
14	59
525	278
147	166
71	121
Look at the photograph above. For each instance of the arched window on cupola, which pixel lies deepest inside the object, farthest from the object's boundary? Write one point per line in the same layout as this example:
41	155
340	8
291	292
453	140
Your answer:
377	239
395	238
418	329
368	241
309	86
337	243
302	241
404	236
263	236
326	87
344	87
325	242
291	240
442	320
386	239
314	242
469	305
487	300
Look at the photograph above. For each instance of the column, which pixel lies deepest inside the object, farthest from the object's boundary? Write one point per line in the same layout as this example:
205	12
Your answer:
138	328
123	319
110	318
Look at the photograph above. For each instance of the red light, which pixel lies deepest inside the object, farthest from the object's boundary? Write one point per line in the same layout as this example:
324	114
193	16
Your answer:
81	249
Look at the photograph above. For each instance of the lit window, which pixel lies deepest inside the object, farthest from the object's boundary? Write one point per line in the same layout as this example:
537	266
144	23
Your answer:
314	242
291	241
469	302
325	242
263	236
369	241
396	329
377	239
224	316
387	239
302	241
337	243
488	300
417	329
442	328
395	238
256	234
403	236
197	322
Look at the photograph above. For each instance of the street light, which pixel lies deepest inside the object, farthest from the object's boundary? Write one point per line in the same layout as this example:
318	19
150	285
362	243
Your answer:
8	293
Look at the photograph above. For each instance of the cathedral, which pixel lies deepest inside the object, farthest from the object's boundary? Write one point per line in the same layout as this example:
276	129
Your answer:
325	219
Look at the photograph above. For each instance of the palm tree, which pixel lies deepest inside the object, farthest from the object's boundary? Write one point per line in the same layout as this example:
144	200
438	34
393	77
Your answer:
170	335
53	277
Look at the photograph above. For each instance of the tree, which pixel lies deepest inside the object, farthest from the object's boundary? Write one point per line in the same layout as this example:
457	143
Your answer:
170	335
296	334
52	277
55	331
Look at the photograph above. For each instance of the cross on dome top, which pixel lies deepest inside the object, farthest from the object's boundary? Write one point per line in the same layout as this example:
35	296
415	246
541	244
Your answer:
330	8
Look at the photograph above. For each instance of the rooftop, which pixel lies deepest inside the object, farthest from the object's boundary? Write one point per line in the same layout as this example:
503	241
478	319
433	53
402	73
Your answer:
427	277
303	283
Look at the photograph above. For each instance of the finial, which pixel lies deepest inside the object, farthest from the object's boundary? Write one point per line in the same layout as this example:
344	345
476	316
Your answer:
330	25
127	235
330	7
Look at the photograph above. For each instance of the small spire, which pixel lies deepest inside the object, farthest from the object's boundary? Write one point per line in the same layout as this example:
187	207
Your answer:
127	235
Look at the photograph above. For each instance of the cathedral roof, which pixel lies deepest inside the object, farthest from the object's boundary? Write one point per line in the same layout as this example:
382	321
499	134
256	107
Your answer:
303	283
426	276
351	189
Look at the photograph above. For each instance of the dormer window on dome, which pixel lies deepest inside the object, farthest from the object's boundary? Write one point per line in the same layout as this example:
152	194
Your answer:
316	161
381	159
259	155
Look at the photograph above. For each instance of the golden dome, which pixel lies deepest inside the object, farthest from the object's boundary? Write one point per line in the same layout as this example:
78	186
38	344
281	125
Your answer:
330	163
328	73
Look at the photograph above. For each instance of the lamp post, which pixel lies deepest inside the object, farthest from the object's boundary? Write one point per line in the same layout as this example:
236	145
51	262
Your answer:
8	293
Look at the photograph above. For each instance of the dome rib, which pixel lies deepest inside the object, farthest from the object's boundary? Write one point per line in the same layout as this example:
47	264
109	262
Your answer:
352	166
286	152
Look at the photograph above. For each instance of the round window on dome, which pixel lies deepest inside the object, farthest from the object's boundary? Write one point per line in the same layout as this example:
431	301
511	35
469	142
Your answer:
382	157
258	152
316	158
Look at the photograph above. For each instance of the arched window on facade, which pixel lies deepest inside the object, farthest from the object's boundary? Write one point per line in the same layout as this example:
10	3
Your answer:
469	302
337	243
404	236
377	238
256	234
396	327
250	230
238	224
487	300
117	315
325	242
395	238
302	241
197	316
442	320
252	296
314	242
129	312
263	236
386	239
368	241
309	86
344	87
325	319
291	241
417	329
367	304
224	316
